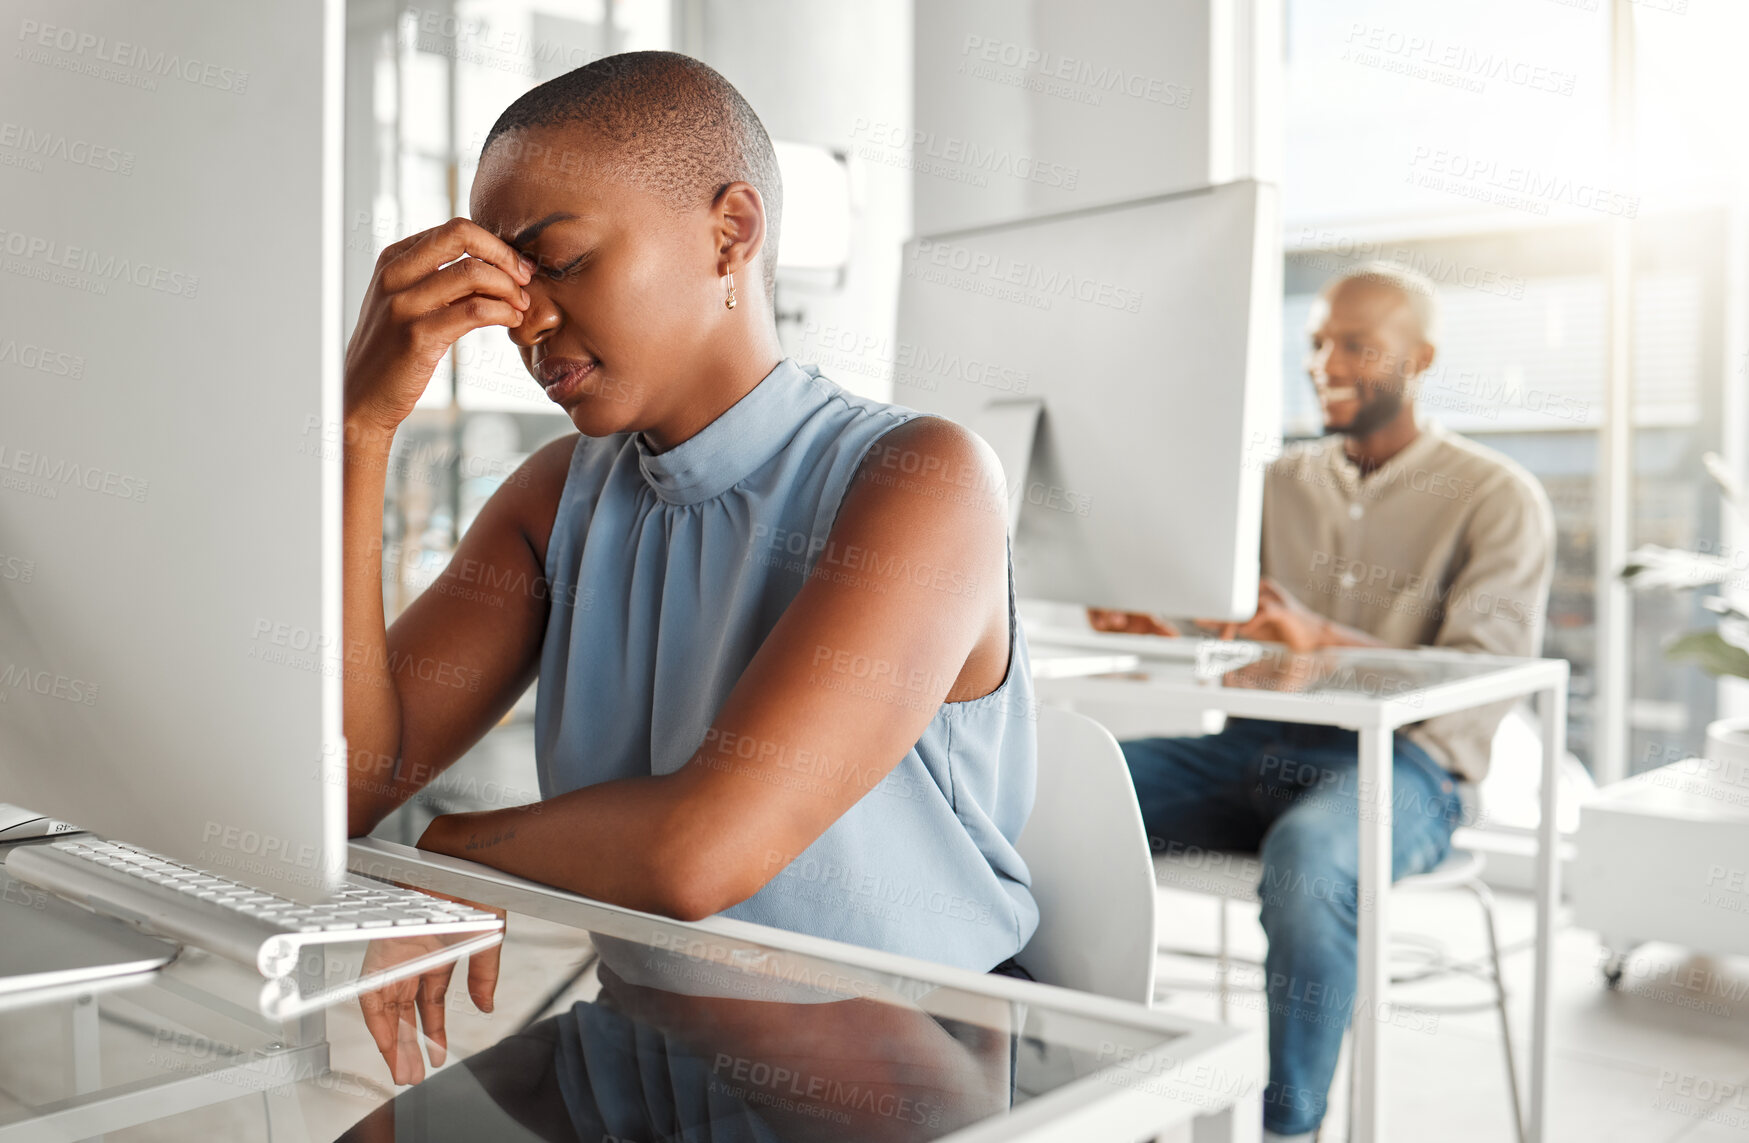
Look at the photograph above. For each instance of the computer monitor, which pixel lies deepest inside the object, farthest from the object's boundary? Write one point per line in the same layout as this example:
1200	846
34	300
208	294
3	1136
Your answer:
169	456
1124	362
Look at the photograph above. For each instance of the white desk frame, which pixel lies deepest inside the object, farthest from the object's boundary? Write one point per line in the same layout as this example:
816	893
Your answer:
1375	719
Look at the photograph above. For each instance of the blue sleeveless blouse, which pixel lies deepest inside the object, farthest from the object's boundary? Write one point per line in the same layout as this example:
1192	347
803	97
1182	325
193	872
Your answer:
668	570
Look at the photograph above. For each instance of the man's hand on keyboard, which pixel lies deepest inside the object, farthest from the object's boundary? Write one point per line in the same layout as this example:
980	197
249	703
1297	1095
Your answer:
1129	622
1281	618
395	1013
1281	669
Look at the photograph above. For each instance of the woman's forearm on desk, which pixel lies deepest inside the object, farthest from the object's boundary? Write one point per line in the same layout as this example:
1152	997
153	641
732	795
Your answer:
626	842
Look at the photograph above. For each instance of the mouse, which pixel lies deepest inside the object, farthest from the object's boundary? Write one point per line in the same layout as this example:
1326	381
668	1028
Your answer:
17	823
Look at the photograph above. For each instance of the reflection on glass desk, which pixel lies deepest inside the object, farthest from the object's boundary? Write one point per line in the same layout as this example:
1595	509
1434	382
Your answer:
1364	672
604	1024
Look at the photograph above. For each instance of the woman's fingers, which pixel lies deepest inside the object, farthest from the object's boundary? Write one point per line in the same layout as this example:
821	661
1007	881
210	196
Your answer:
422	254
483	977
388	1015
408	1066
454	282
433	989
446	325
426	292
379	1020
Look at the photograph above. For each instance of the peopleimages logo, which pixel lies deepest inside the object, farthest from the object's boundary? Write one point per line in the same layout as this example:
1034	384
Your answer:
35	145
18	679
1035	282
1066	77
1519	188
42	252
92	51
41	474
37	358
963	155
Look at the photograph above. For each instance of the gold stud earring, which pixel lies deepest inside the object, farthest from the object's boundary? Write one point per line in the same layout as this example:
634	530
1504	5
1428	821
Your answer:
729	302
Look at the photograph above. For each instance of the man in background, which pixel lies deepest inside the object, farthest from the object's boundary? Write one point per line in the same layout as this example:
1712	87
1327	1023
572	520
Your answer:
1388	532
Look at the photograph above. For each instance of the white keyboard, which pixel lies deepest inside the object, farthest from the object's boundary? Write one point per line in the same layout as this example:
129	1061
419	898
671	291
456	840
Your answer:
229	918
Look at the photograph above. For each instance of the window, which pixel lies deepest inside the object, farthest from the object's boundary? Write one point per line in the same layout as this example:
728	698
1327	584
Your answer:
1471	142
425	84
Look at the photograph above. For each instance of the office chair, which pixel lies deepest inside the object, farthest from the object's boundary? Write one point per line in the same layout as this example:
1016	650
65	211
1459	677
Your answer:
1235	877
1092	873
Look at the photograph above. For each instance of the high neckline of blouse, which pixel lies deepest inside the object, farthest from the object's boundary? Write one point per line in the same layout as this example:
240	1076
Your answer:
729	449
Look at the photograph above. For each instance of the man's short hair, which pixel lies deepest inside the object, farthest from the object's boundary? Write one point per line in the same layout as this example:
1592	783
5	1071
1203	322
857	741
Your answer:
1417	289
672	125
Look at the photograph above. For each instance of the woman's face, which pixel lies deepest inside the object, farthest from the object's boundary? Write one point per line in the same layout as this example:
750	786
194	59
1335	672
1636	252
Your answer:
626	290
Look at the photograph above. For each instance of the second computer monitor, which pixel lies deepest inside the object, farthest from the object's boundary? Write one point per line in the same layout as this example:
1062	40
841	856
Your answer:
1124	362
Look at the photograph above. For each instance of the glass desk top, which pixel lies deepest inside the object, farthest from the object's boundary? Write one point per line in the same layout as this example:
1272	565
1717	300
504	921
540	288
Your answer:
598	1024
1252	676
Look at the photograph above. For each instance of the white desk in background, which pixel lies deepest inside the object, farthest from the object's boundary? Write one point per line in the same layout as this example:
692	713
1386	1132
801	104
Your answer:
1054	662
1372	692
195	1035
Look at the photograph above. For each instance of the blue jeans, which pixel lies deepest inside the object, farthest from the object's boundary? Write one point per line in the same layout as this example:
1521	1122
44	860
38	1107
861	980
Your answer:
1289	793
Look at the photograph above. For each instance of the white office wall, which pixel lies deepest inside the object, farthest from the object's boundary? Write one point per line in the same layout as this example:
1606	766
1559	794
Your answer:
1145	96
824	72
1028	107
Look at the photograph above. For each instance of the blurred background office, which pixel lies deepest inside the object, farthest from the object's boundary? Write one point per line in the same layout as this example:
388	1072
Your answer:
1474	142
1571	175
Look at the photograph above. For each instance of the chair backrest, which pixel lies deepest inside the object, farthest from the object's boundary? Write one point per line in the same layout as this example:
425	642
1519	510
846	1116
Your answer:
1092	874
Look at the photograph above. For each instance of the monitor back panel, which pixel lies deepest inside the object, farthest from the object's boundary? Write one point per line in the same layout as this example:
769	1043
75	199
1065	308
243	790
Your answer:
1150	331
169	444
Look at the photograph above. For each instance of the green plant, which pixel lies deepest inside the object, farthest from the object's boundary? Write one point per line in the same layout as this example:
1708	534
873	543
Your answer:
1720	651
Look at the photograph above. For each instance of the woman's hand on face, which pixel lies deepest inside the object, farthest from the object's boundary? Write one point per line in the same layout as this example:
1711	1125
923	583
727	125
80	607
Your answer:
428	290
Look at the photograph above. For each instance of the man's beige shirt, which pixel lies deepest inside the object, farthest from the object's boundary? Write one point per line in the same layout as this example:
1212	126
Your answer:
1448	544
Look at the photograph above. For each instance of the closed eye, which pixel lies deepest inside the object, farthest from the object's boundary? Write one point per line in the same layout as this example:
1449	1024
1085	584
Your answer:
559	273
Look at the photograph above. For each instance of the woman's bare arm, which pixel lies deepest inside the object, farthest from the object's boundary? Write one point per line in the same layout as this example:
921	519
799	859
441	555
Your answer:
446	665
461	653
